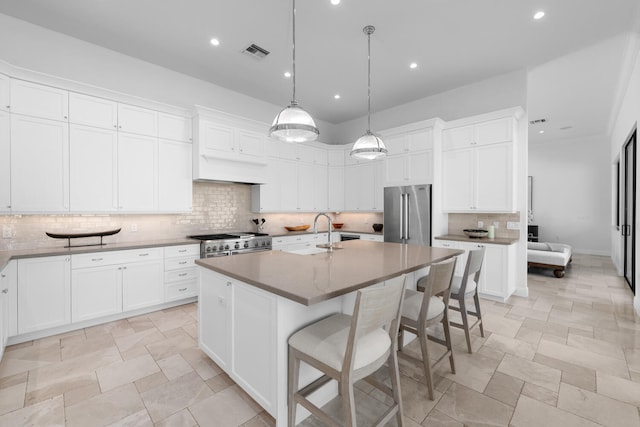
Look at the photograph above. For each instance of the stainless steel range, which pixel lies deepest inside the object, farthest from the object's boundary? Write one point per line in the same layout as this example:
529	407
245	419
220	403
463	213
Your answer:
215	245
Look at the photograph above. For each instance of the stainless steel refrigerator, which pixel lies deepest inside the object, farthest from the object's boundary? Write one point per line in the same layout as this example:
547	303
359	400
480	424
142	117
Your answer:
407	214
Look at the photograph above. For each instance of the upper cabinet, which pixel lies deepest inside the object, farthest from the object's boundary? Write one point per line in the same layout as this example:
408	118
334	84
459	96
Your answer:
410	157
175	128
138	120
5	162
5	91
93	111
228	148
478	166
36	100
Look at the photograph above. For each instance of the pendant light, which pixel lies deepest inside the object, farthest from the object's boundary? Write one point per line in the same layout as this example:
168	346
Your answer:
294	124
369	146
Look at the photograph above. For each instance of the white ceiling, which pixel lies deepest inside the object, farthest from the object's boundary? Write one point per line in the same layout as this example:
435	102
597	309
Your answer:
455	42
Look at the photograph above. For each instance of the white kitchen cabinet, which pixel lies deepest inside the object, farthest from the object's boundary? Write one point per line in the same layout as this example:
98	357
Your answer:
175	128
5	162
497	277
95	291
39	165
266	197
363	187
180	272
44	293
142	279
137	173
288	181
372	237
8	303
5	93
36	100
214	308
93	111
137	120
300	241
175	177
335	181
93	169
478	167
228	142
410	159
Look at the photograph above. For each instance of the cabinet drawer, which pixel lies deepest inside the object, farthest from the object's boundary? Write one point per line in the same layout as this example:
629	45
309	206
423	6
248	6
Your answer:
143	254
96	259
179	263
178	275
182	251
176	291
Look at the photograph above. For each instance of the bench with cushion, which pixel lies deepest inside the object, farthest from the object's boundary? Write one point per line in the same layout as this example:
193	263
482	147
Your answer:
555	256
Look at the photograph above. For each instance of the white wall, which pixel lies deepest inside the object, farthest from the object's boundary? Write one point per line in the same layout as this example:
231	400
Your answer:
571	192
624	121
38	49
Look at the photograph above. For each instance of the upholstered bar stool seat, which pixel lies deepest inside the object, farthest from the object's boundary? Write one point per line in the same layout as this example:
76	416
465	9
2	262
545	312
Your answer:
456	283
413	302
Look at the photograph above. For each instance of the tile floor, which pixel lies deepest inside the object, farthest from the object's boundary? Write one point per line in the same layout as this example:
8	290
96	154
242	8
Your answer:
567	355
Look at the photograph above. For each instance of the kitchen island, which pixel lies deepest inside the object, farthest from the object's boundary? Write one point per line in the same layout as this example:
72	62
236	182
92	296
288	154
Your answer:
249	306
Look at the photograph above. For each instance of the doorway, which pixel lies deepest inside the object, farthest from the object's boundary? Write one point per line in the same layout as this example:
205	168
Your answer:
629	211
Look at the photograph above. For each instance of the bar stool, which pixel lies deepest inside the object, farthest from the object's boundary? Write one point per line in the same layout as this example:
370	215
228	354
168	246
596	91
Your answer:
427	308
349	348
465	287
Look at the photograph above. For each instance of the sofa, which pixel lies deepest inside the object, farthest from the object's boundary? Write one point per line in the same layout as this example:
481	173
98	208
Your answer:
555	256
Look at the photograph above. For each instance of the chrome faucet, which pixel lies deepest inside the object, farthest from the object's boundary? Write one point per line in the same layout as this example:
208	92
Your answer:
329	245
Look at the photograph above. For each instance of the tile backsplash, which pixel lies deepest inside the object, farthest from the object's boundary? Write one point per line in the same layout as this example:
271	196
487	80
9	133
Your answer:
217	207
458	222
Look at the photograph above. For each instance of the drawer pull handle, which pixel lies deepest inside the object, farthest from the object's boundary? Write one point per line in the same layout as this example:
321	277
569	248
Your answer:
182	274
5	291
96	259
182	250
143	254
182	262
182	289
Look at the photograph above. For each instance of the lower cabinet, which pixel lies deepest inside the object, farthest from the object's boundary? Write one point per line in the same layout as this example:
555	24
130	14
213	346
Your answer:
44	293
142	284
497	277
180	272
95	292
8	303
238	320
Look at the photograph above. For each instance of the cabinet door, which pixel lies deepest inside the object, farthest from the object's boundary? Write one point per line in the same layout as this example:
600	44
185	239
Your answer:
494	178
216	140
306	189
214	326
335	158
142	285
493	275
93	173
351	188
137	120
5	93
92	111
175	179
336	189
395	169
95	292
137	172
38	100
174	127
494	131
44	293
320	188
378	186
396	144
420	168
266	197
9	290
288	178
251	144
5	162
457	180
458	137
39	165
420	140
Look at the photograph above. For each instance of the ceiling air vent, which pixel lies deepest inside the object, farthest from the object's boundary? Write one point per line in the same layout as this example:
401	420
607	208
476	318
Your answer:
256	51
537	121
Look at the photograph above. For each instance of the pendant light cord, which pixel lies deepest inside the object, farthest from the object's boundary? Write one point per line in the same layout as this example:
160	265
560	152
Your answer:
293	101
369	80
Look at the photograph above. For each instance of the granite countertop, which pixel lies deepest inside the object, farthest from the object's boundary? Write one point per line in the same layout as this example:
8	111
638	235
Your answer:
463	238
309	279
6	256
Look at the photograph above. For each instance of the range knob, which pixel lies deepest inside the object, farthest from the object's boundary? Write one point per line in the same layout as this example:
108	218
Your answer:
246	244
214	248
225	246
208	249
237	245
256	244
264	243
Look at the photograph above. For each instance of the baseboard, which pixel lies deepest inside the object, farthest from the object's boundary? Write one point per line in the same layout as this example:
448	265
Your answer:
636	304
521	292
591	252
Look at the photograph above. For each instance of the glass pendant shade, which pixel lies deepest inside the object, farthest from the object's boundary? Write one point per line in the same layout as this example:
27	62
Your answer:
369	146
294	124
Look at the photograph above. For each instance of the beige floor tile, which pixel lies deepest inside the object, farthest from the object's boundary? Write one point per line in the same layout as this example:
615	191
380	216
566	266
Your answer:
533	413
511	346
219	382
81	393
470	407
138	419
438	419
472	370
138	339
600	347
128	371
571	374
415	398
597	408
14	379
529	335
116	328
94	344
501	325
174	366
49	413
584	358
633	358
169	321
179	419
531	313
175	395
12	398
540	394
106	408
532	372
201	363
263	419
504	388
228	408
550	328
170	346
619	388
27	358
151	381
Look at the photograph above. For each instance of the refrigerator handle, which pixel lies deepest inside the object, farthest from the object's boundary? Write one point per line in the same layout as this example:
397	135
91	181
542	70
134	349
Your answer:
402	216
406	216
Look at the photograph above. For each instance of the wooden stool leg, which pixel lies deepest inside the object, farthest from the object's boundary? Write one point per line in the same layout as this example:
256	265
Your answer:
447	337
465	321
477	301
294	371
422	336
348	402
395	385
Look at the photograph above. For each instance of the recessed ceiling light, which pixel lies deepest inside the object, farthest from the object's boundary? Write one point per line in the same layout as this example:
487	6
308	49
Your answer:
335	2
538	15
336	96
541	131
413	65
287	74
215	42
